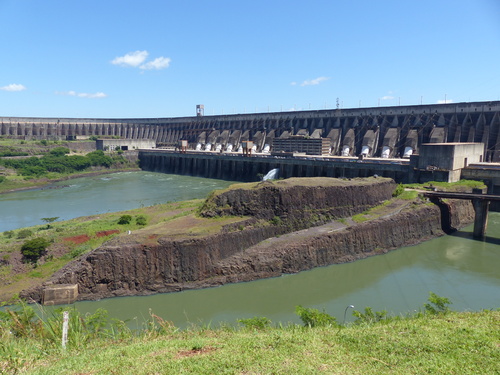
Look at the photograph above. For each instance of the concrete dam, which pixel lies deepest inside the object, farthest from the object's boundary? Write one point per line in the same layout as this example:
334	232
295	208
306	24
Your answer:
381	132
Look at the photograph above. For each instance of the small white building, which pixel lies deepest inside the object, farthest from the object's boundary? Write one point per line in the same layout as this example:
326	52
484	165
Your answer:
124	144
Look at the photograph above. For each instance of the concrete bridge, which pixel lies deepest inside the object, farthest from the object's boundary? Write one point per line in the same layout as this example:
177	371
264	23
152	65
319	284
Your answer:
481	203
384	132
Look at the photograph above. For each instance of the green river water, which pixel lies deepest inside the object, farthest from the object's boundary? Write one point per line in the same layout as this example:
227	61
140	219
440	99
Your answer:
460	268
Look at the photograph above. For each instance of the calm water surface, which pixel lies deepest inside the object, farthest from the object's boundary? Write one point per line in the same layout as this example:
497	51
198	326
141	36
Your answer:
100	194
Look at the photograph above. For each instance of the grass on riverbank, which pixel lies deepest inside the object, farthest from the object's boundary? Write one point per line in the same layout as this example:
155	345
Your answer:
73	238
433	343
459	186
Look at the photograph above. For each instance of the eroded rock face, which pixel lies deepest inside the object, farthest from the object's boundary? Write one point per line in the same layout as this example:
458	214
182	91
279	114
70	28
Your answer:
243	255
302	206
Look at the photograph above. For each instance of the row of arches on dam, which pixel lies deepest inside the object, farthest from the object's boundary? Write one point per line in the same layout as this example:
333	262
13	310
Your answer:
384	132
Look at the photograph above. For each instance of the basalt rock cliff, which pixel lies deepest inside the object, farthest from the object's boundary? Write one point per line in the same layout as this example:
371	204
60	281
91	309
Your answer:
260	251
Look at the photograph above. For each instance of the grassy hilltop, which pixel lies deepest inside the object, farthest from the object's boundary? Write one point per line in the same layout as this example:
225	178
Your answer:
434	341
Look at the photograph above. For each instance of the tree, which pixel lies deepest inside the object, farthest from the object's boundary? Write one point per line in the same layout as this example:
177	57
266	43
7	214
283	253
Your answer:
124	219
98	158
34	249
59	151
49	220
141	220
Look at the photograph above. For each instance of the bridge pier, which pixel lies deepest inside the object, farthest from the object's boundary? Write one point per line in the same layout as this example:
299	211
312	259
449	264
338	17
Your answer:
481	207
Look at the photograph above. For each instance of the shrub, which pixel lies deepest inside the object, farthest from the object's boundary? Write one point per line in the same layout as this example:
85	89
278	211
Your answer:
98	158
437	305
369	316
8	234
315	318
398	191
3	179
124	219
141	220
34	249
257	322
59	151
24	233
276	220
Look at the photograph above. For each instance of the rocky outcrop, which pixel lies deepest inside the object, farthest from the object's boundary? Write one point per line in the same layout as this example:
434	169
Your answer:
301	205
242	255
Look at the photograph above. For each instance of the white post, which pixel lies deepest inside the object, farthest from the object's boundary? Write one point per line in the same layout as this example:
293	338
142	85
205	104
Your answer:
65	329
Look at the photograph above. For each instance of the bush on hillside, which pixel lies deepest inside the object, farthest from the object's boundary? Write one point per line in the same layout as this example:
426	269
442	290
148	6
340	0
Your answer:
315	318
24	233
398	191
34	249
124	219
141	220
59	151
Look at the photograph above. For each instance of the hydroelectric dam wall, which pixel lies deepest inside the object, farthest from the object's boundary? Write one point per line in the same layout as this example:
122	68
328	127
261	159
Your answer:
240	168
385	132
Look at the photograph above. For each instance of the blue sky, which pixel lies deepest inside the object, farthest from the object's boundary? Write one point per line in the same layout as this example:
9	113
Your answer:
159	58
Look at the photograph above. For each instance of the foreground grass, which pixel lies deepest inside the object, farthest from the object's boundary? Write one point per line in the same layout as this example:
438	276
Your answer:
452	343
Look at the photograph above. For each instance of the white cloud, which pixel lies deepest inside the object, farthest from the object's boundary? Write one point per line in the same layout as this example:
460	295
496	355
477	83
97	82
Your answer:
158	63
315	81
133	59
293	83
387	97
445	101
97	95
138	59
13	87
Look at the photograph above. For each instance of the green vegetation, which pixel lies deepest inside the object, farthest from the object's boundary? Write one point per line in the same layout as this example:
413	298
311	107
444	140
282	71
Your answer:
315	318
49	220
24	233
10	153
44	161
73	238
369	316
141	220
408	195
432	343
459	186
398	191
276	220
372	213
34	249
437	304
125	219
57	160
257	322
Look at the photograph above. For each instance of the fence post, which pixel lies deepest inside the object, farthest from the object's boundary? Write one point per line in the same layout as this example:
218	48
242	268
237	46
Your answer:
65	329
